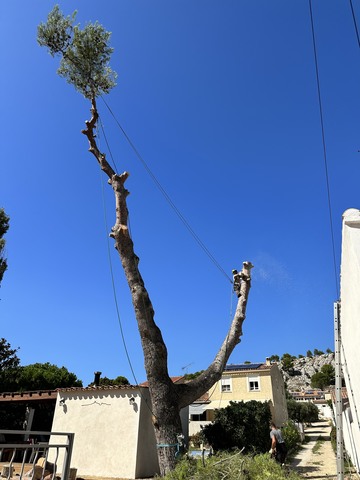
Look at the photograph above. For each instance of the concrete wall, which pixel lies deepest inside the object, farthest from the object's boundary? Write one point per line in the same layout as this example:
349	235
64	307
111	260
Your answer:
113	437
350	331
279	412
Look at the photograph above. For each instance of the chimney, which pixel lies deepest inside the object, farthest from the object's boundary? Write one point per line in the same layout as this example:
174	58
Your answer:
97	378
267	361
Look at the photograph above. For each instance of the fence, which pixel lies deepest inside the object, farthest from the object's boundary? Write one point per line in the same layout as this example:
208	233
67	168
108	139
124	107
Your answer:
22	451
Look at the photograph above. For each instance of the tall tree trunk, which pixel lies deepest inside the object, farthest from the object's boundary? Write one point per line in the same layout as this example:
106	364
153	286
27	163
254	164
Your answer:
167	398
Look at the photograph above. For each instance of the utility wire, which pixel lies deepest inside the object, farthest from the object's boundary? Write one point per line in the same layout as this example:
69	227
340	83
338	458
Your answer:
167	197
116	300
355	23
324	148
107	144
113	280
112	274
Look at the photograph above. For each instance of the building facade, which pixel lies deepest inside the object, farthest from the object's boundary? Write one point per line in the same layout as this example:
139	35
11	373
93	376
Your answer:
262	382
114	433
349	330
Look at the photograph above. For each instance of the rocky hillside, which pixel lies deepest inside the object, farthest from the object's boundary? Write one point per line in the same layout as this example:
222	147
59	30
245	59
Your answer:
299	377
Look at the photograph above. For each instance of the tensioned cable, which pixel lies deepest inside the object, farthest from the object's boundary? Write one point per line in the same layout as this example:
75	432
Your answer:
112	274
107	144
324	148
355	23
113	161
113	282
162	190
167	197
115	297
113	279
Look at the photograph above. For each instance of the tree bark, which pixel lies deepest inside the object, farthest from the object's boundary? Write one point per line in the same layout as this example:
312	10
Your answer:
167	398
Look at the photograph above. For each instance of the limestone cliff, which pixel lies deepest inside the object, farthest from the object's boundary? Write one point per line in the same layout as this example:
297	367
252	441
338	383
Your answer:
298	378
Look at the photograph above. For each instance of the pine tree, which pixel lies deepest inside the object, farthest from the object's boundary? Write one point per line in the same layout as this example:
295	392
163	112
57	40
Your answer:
85	56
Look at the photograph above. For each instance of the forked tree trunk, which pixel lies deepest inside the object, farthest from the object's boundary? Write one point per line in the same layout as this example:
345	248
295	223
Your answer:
167	398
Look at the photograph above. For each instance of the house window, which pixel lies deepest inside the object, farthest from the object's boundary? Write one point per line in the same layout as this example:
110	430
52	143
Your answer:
254	384
225	385
198	417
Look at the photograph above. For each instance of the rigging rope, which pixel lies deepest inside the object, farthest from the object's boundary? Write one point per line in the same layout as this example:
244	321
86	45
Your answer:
113	279
355	23
112	273
324	148
167	197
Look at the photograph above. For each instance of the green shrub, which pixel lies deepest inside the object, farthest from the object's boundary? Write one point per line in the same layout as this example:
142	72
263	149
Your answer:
240	424
263	467
291	436
302	411
231	466
333	438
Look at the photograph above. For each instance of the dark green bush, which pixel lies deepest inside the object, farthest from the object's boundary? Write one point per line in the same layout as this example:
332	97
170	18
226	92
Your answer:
292	437
333	438
240	424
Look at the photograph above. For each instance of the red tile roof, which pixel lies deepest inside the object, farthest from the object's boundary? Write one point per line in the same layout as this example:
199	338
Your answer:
180	379
39	395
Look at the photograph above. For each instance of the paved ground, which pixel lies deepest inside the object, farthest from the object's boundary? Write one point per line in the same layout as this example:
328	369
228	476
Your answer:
320	464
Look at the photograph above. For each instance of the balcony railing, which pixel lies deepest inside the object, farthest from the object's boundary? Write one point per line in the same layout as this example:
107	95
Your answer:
20	452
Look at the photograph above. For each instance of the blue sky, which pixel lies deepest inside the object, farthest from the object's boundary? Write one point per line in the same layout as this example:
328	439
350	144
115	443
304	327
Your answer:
220	99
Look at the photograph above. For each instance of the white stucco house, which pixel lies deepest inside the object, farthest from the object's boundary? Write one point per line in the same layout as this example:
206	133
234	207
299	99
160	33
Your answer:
350	331
114	433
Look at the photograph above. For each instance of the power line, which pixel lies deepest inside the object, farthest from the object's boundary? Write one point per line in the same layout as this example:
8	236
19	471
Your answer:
355	23
324	148
167	197
113	280
117	310
108	146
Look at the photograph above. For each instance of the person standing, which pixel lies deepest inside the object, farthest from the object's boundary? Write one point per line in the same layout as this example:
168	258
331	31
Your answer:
278	447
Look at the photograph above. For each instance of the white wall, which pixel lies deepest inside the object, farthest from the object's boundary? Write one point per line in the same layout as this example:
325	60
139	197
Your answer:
349	322
110	440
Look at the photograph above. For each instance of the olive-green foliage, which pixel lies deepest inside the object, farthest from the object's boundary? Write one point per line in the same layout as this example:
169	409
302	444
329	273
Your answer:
287	361
302	411
190	376
120	380
39	376
274	358
4	225
231	466
240	424
8	356
291	436
85	53
324	378
262	467
9	363
45	376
